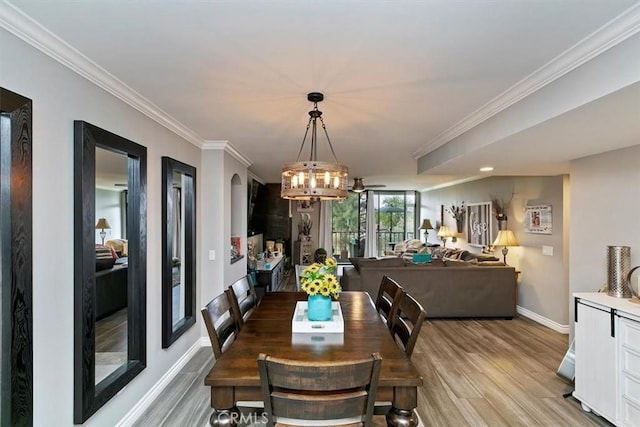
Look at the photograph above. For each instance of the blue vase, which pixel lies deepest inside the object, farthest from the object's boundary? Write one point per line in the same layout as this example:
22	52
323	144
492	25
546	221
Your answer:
319	307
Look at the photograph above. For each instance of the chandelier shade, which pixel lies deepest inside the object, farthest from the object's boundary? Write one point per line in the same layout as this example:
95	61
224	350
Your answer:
313	179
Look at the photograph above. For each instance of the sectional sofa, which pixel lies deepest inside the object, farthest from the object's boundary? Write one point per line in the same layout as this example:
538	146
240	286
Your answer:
446	289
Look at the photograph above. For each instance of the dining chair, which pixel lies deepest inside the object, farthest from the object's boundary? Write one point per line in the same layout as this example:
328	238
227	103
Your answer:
405	325
387	300
299	269
220	322
407	321
243	298
319	393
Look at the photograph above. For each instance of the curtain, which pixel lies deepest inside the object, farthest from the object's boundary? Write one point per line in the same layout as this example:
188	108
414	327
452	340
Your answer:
371	239
325	227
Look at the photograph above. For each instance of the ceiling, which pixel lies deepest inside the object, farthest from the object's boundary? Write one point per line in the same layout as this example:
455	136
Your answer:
396	75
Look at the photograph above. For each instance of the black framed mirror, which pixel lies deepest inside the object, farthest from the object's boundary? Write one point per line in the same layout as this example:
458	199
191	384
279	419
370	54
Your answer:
110	284
178	249
16	260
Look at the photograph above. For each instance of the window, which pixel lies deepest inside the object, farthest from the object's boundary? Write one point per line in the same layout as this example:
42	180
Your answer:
348	222
395	221
395	218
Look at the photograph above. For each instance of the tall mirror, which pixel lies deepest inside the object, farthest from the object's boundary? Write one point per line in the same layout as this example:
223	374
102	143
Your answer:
110	266
16	261
178	249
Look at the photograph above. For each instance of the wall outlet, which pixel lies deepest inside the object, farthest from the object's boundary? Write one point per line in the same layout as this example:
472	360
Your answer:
212	255
547	250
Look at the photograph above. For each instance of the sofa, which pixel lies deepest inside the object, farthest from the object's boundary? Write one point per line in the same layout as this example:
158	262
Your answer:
445	288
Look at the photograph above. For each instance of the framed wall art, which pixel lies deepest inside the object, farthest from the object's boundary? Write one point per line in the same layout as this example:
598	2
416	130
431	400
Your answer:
538	219
479	224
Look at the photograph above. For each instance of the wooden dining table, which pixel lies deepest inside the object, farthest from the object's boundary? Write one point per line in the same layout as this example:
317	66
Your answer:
234	377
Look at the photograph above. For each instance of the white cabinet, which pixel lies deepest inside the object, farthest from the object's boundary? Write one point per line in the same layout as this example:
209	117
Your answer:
595	360
607	357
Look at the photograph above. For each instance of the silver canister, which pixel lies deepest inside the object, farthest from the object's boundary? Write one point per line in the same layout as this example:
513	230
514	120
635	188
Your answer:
618	266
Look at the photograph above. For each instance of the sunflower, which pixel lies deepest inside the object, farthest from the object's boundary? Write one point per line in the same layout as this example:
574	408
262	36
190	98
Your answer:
319	279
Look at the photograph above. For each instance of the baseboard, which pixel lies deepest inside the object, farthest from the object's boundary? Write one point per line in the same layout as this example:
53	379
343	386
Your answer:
563	329
146	401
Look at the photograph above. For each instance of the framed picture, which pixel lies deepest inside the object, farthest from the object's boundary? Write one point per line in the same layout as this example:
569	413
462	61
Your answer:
479	224
538	219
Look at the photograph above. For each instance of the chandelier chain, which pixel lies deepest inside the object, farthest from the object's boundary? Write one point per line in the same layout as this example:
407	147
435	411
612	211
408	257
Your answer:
324	128
306	132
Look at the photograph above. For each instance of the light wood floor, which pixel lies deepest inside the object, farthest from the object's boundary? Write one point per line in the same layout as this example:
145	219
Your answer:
476	373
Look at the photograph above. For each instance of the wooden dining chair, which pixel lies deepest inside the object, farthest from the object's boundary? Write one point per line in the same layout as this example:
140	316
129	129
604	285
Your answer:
243	298
220	322
407	321
309	392
404	325
388	298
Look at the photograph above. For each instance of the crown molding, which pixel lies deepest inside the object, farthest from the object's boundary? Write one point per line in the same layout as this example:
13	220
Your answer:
26	28
455	182
256	177
609	35
228	148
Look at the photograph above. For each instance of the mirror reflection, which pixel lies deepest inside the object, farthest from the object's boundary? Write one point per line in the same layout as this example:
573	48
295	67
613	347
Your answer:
111	262
177	237
178	251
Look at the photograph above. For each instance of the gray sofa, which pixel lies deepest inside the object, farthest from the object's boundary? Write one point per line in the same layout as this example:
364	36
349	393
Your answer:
451	289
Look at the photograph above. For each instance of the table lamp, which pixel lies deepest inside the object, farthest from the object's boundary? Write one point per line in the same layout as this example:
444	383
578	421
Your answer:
444	233
102	224
426	226
505	238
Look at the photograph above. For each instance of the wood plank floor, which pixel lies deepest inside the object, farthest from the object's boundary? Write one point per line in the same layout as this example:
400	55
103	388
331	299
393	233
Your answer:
476	373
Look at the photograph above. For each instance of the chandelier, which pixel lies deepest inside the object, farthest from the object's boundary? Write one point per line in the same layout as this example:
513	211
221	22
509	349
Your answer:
312	179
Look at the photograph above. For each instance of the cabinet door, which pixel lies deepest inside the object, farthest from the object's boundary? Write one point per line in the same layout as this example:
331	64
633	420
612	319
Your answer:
595	360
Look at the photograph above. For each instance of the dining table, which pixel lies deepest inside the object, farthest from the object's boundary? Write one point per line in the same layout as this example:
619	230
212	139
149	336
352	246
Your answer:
234	377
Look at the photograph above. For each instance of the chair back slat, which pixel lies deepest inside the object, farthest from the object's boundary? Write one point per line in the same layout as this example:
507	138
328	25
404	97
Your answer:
407	322
388	298
243	299
220	322
302	390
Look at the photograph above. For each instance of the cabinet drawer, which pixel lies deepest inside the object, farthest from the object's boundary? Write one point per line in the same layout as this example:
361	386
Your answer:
630	334
631	362
630	414
630	388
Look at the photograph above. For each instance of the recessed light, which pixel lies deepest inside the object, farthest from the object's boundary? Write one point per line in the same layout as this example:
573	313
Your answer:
486	169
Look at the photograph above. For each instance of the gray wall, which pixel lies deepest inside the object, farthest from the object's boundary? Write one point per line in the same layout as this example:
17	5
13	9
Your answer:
543	287
605	208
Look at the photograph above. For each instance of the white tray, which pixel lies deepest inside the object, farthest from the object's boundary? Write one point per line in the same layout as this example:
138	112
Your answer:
319	338
301	323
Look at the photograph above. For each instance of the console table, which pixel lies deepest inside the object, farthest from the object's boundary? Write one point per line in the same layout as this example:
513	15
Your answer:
271	278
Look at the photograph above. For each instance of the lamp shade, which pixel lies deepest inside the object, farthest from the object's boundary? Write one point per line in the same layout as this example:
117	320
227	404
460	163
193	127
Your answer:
506	238
444	232
426	225
102	224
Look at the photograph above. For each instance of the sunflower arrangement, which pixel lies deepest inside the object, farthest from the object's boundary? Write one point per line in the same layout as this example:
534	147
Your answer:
318	279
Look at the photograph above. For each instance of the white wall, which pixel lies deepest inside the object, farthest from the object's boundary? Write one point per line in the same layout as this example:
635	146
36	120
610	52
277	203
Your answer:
60	97
218	169
605	210
543	286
